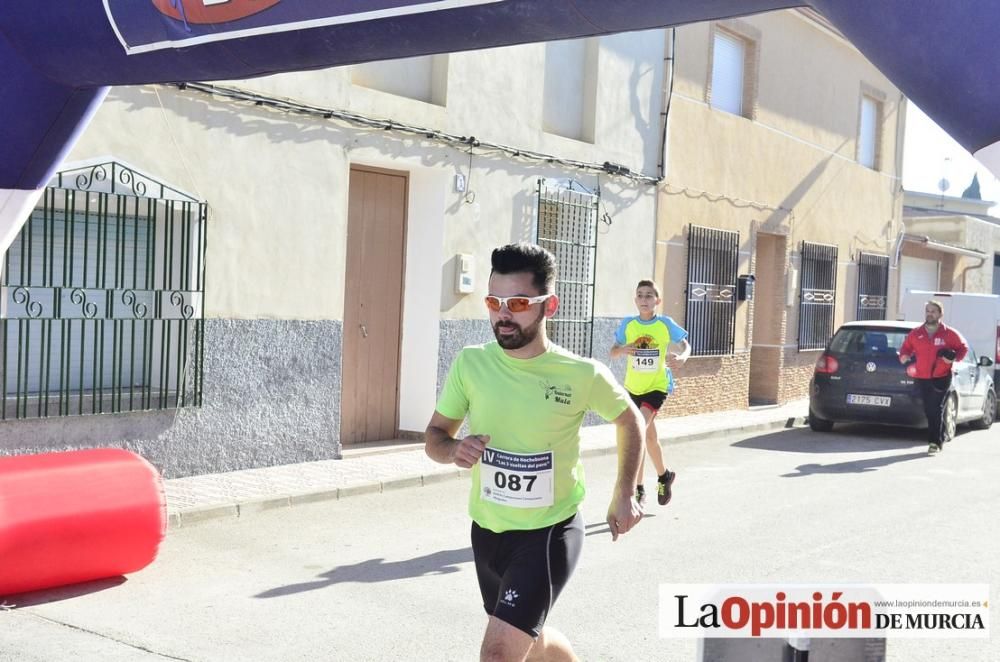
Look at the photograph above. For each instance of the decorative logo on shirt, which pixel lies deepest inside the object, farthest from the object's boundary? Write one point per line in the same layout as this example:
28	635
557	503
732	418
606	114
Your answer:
645	342
510	597
561	393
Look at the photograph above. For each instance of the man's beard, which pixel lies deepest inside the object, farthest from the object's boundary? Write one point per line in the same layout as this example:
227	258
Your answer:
522	335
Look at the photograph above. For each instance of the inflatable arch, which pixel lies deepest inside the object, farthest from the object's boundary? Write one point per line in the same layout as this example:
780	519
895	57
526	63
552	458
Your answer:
58	58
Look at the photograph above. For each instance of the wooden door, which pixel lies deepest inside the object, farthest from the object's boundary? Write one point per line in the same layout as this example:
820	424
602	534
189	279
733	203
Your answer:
373	303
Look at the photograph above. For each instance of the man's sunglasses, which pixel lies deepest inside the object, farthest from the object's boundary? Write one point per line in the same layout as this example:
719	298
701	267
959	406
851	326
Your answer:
514	304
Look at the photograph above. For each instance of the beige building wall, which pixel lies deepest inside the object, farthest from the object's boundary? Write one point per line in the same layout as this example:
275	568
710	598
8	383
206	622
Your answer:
790	170
276	183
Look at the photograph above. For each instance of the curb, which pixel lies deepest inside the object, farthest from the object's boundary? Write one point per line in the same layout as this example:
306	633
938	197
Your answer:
193	516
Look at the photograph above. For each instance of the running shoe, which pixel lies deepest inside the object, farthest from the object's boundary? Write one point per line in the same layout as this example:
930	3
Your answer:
663	483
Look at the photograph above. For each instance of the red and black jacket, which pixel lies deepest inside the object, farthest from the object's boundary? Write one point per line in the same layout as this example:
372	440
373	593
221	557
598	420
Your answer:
926	347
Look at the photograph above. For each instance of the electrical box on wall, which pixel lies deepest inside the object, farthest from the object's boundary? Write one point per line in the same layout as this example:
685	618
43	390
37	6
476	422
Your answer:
790	286
744	287
465	266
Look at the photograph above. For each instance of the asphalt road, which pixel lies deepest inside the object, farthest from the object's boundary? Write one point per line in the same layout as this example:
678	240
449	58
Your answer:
390	576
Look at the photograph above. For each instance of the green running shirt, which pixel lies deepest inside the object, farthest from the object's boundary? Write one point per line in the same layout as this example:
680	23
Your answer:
530	475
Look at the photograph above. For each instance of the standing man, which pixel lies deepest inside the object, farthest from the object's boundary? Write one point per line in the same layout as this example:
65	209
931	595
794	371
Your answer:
933	347
646	339
525	399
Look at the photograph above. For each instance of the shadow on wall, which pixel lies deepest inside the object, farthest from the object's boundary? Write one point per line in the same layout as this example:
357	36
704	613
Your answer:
522	221
246	120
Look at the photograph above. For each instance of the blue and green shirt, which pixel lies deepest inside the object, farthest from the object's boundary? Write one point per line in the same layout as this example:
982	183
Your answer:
647	369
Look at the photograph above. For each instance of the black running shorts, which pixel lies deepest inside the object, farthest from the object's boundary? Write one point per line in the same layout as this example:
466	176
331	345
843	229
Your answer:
653	400
521	573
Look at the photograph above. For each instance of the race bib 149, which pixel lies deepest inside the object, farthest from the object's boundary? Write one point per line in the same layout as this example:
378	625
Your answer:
645	360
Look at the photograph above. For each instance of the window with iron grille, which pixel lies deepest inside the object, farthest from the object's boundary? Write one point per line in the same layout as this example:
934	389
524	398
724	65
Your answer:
710	317
103	293
567	226
873	286
817	295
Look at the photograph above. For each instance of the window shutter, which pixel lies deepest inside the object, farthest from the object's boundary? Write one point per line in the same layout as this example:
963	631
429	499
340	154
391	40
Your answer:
727	74
867	132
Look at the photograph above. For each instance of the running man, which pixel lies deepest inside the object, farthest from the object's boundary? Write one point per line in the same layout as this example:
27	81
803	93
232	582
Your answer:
525	399
933	347
646	339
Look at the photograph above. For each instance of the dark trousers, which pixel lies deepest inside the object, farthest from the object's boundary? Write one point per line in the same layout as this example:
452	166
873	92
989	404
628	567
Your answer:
932	391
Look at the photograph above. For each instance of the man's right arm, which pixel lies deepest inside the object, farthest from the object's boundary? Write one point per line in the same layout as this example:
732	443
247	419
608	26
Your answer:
906	349
441	446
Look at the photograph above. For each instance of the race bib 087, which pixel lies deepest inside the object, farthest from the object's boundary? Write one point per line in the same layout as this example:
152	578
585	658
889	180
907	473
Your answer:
515	479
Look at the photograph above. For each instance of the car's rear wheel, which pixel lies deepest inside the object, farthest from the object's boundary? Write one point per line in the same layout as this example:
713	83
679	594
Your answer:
989	413
949	419
817	424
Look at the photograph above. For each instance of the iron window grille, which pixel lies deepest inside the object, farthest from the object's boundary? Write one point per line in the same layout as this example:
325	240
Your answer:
817	295
710	315
103	298
873	286
566	225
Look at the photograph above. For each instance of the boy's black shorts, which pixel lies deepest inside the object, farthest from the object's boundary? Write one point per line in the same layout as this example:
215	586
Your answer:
521	573
653	400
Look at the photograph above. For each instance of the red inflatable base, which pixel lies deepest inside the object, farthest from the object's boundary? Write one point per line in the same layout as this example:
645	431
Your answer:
77	516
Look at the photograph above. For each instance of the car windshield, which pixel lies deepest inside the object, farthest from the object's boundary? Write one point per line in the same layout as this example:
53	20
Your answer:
868	342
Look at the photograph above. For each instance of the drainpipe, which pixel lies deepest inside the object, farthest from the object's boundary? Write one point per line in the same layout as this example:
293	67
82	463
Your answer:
897	202
965	271
898	249
670	43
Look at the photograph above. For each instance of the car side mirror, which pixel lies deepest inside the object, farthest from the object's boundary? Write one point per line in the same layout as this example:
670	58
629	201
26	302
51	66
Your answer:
985	361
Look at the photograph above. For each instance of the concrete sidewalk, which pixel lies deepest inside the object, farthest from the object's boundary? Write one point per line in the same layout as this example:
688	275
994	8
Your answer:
383	468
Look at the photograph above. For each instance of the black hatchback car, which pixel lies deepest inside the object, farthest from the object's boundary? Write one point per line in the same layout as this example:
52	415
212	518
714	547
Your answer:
859	378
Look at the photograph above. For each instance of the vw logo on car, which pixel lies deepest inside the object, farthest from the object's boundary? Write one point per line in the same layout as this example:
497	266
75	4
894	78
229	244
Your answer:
870	366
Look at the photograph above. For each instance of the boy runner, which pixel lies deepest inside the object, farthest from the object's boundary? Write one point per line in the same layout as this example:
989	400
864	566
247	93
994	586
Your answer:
646	339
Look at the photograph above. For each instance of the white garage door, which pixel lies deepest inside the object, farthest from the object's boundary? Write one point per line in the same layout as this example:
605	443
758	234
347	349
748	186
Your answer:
917	273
